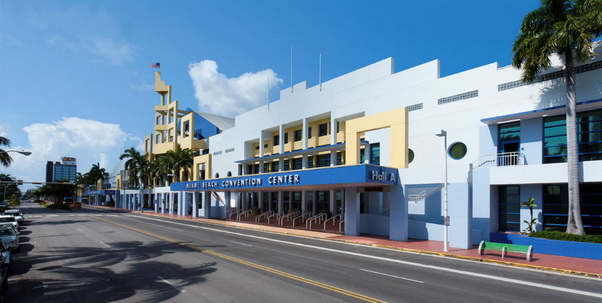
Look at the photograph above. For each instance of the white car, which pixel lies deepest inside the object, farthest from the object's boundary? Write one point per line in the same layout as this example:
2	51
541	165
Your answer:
9	238
18	214
11	219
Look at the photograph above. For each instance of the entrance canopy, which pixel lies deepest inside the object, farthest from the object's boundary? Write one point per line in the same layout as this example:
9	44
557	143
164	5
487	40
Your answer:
327	178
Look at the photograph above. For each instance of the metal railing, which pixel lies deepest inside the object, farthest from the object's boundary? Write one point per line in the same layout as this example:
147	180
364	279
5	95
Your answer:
277	215
341	224
301	217
245	213
333	220
232	213
425	193
286	217
500	159
265	214
317	218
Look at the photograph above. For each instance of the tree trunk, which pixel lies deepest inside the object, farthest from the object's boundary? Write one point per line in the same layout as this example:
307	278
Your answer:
574	223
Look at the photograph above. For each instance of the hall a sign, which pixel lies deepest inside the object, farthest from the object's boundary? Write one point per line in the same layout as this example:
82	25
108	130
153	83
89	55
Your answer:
383	176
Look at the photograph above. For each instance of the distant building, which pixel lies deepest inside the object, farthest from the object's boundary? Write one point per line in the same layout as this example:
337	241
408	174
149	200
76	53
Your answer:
59	171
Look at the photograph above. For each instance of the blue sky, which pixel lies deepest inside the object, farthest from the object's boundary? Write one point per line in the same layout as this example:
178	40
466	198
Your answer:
75	76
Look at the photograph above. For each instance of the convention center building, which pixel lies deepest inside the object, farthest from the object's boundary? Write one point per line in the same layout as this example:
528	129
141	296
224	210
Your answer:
371	152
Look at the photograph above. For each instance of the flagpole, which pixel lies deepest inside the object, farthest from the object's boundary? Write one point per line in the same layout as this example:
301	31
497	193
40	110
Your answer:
320	72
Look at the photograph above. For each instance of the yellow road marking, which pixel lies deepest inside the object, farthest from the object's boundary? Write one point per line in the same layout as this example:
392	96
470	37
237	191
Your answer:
251	264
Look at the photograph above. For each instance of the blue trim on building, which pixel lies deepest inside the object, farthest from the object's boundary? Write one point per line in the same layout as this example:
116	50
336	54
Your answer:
517	115
363	174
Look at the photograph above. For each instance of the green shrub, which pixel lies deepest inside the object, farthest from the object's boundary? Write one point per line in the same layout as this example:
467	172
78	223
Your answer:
558	235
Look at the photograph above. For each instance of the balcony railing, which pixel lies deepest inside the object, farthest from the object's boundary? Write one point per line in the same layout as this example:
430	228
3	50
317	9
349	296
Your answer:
501	159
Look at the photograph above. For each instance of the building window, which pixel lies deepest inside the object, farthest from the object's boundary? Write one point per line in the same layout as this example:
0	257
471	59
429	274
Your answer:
410	156
508	143
275	166
509	208
266	167
285	138
457	150
276	140
415	107
310	162
589	136
287	165
323	130
556	207
308	132
340	158
375	153
458	97
297	163
298	135
323	160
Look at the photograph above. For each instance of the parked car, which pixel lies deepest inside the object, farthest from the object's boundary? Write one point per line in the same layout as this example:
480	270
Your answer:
11	219
9	238
2	224
6	263
76	204
4	204
18	214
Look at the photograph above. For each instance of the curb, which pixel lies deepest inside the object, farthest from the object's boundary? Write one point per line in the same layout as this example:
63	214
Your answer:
417	251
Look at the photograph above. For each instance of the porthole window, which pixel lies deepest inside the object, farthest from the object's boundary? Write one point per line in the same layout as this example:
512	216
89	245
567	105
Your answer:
410	155
457	150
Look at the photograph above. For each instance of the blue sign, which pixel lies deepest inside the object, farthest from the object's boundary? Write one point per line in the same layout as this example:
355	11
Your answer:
358	175
102	192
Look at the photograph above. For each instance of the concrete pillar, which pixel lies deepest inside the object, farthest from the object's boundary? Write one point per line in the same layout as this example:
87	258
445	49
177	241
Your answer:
352	211
195	204
280	198
304	136
333	202
398	214
303	202
314	204
333	131
260	202
156	202
171	202
207	204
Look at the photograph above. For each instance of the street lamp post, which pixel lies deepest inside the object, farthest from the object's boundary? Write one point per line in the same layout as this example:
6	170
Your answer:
445	209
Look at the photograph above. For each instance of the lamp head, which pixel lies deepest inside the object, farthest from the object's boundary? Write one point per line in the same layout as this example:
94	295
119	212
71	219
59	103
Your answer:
441	134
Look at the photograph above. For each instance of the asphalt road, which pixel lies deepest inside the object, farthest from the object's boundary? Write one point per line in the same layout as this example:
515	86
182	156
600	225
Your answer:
92	255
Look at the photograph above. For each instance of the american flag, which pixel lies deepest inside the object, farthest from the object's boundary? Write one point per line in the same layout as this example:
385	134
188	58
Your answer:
156	65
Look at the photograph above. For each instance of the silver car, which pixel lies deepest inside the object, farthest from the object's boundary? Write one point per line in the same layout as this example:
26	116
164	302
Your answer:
9	238
11	219
17	214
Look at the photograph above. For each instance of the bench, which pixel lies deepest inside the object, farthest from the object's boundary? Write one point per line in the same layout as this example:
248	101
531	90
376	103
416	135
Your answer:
505	247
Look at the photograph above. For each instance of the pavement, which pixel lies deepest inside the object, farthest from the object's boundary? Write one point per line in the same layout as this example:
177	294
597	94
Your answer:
543	262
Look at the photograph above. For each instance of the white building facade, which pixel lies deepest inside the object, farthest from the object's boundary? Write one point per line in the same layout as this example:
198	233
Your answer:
506	142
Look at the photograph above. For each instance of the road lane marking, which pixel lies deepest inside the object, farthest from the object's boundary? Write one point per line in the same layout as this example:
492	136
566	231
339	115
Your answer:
105	244
171	284
392	276
254	265
451	270
243	244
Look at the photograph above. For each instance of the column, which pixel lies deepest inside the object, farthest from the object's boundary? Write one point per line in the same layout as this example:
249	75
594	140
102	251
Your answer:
280	198
333	203
171	201
281	146
398	217
303	202
333	131
314	204
207	204
195	204
352	212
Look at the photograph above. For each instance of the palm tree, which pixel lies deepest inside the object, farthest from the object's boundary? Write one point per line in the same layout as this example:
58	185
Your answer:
135	165
565	27
180	159
5	158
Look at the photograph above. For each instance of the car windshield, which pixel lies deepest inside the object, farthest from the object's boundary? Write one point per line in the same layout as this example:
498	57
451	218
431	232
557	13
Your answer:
6	232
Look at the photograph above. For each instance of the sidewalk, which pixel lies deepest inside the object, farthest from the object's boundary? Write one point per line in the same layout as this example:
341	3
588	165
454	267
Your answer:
567	265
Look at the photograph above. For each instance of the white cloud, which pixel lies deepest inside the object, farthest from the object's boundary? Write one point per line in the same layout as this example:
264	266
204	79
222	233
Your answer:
89	141
218	94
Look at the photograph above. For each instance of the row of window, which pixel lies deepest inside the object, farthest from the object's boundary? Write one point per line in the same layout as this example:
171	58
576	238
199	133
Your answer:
297	134
550	76
555	207
589	136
